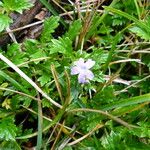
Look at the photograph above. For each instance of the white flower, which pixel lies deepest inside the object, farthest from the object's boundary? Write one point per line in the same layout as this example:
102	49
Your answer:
82	69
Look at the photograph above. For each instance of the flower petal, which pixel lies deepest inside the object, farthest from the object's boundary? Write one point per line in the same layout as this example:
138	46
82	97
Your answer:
89	75
80	62
75	70
82	78
89	63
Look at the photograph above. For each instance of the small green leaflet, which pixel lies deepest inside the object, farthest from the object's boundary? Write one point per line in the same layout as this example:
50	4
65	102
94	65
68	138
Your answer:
74	29
50	25
4	22
62	45
9	145
45	78
140	32
16	5
7	129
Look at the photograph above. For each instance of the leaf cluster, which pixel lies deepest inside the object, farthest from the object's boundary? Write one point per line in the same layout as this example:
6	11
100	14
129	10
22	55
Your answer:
8	6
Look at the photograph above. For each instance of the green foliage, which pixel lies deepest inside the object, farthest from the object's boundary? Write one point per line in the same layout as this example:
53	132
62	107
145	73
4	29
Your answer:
141	33
74	29
7	129
98	113
123	139
62	45
91	121
143	131
50	25
140	24
8	6
129	101
4	22
10	145
16	5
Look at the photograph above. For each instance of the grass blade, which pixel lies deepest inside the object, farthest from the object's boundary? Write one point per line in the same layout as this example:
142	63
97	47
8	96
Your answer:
14	82
128	102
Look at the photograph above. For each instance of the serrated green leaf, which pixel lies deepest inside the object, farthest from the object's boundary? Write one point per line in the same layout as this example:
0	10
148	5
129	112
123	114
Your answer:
15	54
109	141
4	113
38	54
140	32
117	22
27	101
7	129
10	145
74	29
50	25
46	103
63	45
45	78
90	121
143	131
6	104
16	5
4	22
31	46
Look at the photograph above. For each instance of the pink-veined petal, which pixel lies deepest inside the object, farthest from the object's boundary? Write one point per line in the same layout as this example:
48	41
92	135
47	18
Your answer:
89	63
75	70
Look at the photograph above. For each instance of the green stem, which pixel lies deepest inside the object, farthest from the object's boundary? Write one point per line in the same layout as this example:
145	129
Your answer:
137	8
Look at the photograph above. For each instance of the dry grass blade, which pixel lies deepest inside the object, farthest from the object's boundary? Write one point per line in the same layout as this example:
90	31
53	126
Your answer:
66	141
68	98
57	137
126	60
117	80
86	135
12	36
53	70
132	85
20	93
62	9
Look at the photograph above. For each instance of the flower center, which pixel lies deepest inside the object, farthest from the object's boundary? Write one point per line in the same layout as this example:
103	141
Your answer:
83	67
